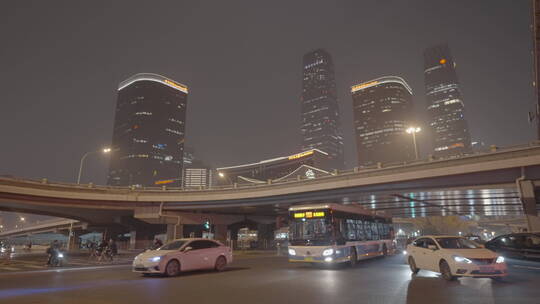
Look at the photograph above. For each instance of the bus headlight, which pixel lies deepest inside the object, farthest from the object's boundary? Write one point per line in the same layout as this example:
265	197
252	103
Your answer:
328	252
500	259
292	251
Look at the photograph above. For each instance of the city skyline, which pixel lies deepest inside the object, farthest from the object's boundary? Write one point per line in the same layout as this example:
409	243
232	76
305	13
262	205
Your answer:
232	114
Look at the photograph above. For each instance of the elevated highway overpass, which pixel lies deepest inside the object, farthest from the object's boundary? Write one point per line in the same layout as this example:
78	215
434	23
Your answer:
497	183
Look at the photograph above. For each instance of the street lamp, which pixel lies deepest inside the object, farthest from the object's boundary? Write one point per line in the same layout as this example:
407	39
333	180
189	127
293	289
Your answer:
222	175
104	150
413	131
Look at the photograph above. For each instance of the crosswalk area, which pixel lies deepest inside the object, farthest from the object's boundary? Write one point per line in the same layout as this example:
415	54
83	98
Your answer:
40	263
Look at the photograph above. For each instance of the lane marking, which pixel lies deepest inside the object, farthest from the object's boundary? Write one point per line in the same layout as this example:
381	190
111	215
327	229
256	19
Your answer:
35	266
62	269
9	268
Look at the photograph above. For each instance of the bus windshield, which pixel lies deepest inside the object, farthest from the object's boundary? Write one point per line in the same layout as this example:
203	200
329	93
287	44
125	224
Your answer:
315	232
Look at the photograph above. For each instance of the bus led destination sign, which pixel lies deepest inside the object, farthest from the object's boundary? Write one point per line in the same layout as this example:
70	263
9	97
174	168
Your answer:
309	214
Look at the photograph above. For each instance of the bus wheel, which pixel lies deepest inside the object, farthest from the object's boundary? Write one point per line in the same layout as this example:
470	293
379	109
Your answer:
384	250
354	257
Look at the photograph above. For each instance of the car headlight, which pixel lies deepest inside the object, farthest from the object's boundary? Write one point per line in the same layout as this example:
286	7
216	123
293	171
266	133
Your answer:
155	259
292	251
461	259
500	259
328	252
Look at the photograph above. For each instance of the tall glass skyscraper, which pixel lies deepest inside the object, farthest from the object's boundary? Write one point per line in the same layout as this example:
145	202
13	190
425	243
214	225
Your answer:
149	129
445	106
382	111
536	59
321	127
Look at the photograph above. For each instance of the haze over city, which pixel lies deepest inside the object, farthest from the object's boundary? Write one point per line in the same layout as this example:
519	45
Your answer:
62	67
270	151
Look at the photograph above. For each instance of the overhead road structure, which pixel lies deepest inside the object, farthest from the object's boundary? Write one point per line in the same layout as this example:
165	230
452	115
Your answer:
501	182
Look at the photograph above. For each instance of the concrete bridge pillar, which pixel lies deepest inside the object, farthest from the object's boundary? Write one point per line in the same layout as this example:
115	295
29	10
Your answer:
529	201
73	240
220	233
174	232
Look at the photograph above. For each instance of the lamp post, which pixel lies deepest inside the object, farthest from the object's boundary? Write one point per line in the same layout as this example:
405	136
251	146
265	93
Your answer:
413	131
104	150
222	175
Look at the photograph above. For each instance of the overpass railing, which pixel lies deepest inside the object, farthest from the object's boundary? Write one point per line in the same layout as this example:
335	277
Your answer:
379	168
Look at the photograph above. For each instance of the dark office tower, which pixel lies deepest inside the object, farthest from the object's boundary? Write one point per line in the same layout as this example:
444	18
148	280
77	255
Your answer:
444	103
320	113
148	135
536	58
382	111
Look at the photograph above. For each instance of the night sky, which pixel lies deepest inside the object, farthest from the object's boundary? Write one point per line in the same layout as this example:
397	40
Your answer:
61	62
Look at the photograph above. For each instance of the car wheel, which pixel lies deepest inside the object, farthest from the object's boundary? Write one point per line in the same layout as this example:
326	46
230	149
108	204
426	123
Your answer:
221	263
354	257
172	269
412	265
445	271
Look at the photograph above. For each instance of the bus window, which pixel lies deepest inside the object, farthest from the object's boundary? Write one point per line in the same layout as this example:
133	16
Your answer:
361	236
351	230
367	230
374	231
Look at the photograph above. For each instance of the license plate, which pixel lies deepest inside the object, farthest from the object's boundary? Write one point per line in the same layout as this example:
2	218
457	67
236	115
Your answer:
309	259
487	269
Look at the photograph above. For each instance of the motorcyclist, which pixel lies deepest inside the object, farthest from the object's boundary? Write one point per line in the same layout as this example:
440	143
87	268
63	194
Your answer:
52	251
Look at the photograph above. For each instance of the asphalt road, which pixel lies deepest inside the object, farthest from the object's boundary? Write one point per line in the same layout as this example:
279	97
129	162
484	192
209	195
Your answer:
268	280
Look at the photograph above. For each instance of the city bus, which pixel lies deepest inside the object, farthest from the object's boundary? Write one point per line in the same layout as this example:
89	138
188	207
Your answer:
335	233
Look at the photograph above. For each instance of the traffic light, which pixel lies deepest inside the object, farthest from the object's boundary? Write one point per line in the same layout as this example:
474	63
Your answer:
206	224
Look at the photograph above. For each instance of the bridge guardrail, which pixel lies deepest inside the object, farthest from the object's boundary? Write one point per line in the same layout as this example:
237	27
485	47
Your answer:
357	170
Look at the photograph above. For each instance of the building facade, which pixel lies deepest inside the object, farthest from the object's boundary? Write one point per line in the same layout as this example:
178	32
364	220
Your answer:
149	130
445	106
197	178
307	164
536	59
382	110
320	126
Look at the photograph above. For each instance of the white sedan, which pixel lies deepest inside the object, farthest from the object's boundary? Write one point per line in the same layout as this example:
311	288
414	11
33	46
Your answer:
183	255
454	257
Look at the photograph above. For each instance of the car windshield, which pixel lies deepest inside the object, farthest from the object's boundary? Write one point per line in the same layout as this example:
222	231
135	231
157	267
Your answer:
457	243
174	245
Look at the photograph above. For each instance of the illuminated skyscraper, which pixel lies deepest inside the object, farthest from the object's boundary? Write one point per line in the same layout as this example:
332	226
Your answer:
382	111
536	59
445	106
320	112
149	131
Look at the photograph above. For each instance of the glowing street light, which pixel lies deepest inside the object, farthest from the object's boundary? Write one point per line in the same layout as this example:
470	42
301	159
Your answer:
413	131
222	175
104	150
